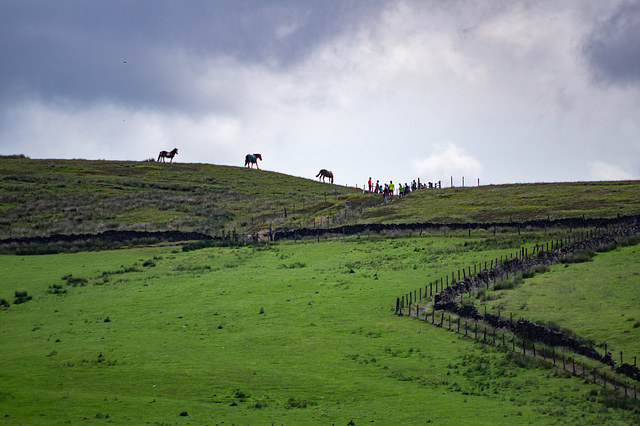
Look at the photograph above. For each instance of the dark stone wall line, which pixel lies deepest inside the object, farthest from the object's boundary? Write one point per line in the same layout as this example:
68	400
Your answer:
446	300
416	226
112	236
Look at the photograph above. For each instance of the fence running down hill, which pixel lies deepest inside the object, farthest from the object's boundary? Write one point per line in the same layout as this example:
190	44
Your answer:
450	292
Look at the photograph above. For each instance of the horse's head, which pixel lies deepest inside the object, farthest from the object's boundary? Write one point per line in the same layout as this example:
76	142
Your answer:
258	156
174	151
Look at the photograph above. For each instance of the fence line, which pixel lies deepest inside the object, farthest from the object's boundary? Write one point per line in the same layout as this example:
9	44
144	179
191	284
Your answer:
446	299
528	348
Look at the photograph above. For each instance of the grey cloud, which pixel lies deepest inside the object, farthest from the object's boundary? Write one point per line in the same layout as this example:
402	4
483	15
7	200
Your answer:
123	52
612	49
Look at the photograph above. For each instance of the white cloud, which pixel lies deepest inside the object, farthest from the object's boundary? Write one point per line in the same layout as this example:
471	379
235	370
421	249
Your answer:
448	160
600	170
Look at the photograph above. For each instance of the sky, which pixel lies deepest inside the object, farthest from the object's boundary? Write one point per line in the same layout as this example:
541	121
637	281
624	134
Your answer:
484	91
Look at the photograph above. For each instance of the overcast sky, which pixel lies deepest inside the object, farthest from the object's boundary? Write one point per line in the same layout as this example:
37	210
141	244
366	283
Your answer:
501	91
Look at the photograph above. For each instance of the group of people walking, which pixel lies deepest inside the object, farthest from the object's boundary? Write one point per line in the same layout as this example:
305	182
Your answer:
388	190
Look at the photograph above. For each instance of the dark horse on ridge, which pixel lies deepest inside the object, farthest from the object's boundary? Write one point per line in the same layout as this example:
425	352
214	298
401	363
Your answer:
165	154
325	174
252	159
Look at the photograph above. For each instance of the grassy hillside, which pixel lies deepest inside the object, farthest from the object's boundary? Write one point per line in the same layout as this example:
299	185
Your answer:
288	333
40	197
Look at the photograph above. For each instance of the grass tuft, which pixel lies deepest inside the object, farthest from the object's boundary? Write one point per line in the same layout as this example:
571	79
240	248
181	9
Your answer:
579	257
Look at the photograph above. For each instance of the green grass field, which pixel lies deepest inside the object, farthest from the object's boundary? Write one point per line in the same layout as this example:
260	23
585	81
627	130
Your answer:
290	333
599	298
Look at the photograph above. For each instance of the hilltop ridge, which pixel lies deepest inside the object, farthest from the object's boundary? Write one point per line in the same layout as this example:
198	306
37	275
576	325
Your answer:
47	196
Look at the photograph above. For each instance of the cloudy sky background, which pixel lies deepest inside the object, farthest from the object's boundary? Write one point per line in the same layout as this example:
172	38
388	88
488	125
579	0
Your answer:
501	91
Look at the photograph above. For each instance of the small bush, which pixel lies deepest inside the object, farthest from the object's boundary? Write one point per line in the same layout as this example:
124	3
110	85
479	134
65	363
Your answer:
295	265
630	241
298	403
538	269
504	285
606	247
21	297
149	263
579	257
56	289
4	303
541	269
76	282
242	396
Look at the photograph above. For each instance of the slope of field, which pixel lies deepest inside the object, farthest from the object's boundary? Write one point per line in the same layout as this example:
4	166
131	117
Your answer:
292	332
598	299
288	333
43	197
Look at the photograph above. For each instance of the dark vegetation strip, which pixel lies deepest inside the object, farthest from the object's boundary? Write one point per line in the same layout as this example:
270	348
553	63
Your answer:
426	226
59	243
107	240
447	299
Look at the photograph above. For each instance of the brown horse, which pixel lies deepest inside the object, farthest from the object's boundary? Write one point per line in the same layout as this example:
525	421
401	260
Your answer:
325	174
165	154
252	159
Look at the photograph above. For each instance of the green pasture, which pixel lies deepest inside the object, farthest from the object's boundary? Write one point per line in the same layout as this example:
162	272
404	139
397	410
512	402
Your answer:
512	202
285	333
599	300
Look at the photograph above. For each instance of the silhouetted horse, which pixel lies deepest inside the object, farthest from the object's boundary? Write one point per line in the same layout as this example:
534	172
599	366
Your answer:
252	159
325	174
165	154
